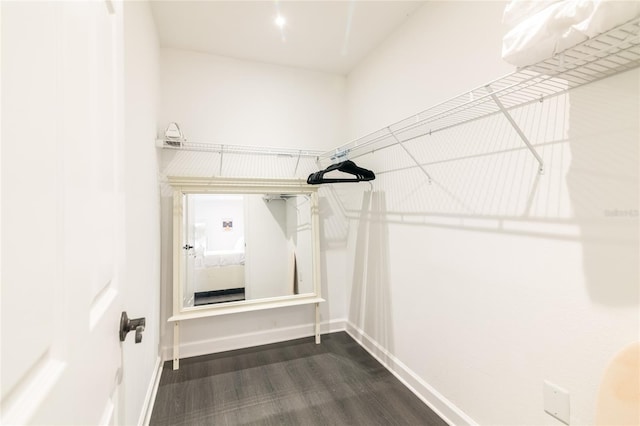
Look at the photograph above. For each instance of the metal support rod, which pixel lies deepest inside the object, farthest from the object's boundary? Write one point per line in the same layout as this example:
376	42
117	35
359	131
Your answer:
517	129
297	162
409	154
221	157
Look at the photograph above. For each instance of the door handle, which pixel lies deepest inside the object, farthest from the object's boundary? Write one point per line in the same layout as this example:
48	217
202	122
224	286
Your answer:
187	247
127	325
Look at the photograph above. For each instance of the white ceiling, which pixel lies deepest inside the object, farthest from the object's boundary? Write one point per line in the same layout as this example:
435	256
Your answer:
330	36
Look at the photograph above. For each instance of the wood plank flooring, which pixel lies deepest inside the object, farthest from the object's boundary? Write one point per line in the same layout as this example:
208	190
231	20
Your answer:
290	383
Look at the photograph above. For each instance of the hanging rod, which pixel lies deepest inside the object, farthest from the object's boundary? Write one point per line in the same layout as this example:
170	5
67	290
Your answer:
234	149
607	54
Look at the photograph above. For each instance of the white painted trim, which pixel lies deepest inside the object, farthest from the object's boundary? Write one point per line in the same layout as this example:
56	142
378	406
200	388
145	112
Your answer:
430	396
152	391
241	306
230	343
218	185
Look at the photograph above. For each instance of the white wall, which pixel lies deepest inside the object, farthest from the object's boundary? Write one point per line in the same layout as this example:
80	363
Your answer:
441	51
230	101
223	100
211	212
492	279
267	267
142	203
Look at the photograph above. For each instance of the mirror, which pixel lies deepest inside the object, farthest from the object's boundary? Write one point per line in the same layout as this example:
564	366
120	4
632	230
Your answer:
242	242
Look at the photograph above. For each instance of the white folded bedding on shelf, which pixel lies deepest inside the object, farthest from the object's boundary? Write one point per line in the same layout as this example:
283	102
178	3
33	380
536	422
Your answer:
537	30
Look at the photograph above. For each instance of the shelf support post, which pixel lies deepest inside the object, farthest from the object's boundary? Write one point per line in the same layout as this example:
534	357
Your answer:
415	160
317	324
517	129
176	345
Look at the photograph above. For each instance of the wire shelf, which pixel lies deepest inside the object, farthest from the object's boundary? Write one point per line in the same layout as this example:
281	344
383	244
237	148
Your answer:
234	149
609	53
198	159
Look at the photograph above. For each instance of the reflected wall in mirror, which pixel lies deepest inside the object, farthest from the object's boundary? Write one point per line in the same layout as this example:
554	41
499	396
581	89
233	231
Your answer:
243	241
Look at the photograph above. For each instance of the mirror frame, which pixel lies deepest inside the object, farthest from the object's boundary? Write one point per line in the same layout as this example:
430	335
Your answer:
192	185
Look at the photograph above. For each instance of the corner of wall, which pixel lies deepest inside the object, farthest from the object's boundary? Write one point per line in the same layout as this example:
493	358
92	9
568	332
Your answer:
427	394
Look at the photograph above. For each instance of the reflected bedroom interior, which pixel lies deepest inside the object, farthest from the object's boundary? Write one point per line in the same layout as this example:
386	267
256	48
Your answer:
214	249
241	247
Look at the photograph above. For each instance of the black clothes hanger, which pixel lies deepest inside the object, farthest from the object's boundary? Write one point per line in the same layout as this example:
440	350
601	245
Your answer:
347	166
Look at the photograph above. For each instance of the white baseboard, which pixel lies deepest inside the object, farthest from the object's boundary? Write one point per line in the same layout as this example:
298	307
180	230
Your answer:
150	397
436	401
264	337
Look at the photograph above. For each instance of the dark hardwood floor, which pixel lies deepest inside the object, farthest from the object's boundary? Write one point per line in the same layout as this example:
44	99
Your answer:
290	383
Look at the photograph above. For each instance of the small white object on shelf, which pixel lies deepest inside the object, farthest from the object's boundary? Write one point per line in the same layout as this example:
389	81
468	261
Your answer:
173	135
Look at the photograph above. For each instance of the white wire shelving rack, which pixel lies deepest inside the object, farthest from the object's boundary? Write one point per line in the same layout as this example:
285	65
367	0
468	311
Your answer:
607	54
222	149
184	145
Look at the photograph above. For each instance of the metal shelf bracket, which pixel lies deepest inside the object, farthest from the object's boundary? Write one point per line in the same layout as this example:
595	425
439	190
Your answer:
517	128
399	142
221	158
340	155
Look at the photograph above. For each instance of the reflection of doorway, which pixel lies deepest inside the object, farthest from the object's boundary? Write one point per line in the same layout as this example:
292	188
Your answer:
214	249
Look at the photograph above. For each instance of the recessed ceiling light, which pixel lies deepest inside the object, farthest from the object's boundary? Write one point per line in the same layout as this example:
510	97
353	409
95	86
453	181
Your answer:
280	21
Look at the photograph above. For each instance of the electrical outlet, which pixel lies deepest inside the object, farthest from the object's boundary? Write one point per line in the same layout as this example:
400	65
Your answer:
556	402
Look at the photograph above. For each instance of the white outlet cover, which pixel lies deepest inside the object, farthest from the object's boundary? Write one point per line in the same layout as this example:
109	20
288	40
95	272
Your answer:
556	402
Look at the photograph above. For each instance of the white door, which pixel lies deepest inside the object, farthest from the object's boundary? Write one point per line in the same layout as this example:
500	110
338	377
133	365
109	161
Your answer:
62	212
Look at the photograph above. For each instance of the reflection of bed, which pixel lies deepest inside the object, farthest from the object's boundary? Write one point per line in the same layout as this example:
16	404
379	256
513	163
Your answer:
223	258
219	270
219	278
